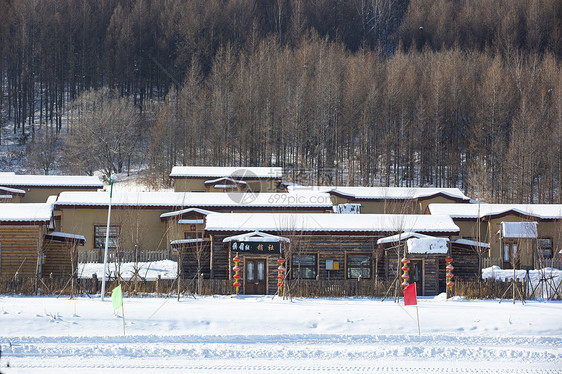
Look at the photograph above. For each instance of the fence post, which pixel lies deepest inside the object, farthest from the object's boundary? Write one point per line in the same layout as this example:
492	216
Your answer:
158	284
94	288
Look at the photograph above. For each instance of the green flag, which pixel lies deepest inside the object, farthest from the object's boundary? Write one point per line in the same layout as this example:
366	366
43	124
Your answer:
117	297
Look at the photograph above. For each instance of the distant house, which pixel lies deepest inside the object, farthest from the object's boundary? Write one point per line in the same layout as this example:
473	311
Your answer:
37	188
28	248
319	247
11	195
225	179
389	200
520	235
142	220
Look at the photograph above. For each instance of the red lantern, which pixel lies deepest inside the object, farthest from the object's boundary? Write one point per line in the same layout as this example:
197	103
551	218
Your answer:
405	269
280	275
449	274
236	276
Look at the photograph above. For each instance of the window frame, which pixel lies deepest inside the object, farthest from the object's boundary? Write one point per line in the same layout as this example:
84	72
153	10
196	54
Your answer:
116	237
541	249
349	268
297	266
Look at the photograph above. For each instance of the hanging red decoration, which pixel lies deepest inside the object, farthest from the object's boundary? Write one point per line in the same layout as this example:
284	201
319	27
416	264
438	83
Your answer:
405	269
280	275
236	276
449	274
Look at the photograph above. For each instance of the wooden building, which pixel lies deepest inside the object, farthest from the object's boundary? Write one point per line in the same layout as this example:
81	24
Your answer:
226	179
389	200
487	223
322	246
22	231
149	221
37	188
28	245
61	254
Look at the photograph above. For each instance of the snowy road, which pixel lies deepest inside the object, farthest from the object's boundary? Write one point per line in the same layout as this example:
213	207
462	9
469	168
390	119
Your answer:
260	335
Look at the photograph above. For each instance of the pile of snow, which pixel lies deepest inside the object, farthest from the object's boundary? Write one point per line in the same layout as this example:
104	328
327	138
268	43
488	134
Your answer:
541	282
167	269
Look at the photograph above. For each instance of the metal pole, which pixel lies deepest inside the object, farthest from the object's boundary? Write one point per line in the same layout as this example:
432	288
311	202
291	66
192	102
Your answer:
106	240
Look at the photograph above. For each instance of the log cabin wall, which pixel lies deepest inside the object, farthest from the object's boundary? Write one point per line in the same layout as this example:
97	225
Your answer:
19	247
326	247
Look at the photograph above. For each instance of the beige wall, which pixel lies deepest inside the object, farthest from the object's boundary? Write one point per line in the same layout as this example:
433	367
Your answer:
40	195
137	226
389	206
198	184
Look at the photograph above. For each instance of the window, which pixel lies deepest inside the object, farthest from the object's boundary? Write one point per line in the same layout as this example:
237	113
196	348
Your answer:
99	237
304	267
545	248
358	266
192	234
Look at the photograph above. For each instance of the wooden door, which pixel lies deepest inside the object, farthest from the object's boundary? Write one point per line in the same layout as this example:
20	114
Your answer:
416	275
510	256
256	276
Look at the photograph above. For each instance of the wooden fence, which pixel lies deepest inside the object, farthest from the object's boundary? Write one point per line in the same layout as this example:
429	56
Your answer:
489	262
92	286
338	288
485	289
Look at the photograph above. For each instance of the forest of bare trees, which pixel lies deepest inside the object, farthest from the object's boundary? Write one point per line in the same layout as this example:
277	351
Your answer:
363	92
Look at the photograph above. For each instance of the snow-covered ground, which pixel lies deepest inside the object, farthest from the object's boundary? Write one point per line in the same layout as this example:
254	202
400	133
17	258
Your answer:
250	334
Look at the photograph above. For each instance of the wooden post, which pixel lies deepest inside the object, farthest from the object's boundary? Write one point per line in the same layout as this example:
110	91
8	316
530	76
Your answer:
158	284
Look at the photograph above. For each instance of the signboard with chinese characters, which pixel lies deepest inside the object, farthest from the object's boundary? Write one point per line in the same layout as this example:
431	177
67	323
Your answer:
255	247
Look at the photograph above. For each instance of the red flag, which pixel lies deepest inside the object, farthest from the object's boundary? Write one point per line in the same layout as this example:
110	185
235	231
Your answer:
410	296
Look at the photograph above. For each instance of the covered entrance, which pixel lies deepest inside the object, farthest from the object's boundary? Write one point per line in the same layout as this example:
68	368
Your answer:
259	253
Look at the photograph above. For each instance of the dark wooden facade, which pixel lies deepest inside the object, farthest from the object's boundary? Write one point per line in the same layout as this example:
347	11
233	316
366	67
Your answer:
60	256
334	248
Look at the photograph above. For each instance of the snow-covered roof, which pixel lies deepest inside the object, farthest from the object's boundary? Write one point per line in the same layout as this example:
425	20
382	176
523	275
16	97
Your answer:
185	211
522	230
190	221
31	212
12	190
222	171
379	193
401	193
256	236
49	181
427	246
319	222
471	243
225	179
543	211
402	236
52	199
186	241
196	199
66	236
